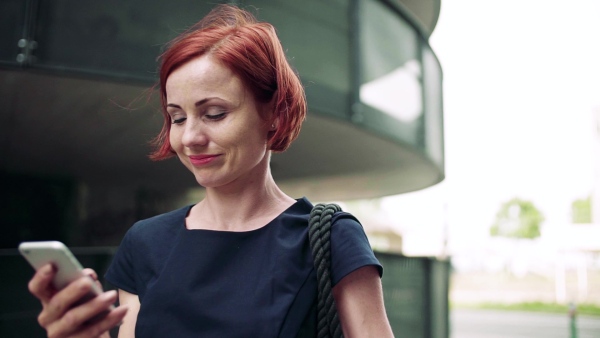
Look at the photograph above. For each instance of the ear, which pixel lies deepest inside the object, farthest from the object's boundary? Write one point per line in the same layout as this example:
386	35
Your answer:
274	124
270	113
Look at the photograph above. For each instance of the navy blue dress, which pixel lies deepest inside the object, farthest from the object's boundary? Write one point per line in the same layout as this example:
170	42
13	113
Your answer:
205	283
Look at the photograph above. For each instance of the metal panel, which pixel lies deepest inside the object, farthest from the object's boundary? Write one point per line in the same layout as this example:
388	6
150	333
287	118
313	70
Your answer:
416	295
35	208
12	28
403	281
116	38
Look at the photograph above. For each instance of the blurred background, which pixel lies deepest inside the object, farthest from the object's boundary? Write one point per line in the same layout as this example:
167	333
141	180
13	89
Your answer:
465	135
519	208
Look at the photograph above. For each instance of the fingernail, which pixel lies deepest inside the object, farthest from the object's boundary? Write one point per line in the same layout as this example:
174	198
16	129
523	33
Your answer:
47	269
91	275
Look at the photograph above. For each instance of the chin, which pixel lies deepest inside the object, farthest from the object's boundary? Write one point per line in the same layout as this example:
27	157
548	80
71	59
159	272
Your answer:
202	182
208	182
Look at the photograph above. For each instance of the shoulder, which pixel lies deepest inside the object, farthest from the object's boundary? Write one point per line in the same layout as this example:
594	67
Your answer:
350	247
341	222
347	230
345	218
157	227
145	242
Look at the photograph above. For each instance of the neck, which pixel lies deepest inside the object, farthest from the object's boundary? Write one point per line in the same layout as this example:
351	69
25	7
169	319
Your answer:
240	207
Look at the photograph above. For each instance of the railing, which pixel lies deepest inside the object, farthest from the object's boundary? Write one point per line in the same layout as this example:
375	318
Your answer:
416	295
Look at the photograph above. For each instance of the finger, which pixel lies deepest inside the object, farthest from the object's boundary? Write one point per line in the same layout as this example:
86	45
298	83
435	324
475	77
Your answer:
114	318
63	300
78	319
40	284
91	273
98	286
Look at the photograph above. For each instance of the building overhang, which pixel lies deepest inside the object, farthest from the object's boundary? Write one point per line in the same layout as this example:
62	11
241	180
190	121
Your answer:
74	102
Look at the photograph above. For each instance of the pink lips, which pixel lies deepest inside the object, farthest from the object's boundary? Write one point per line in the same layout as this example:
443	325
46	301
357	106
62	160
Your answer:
199	160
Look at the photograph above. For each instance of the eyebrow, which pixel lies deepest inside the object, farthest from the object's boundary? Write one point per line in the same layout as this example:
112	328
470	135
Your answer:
197	104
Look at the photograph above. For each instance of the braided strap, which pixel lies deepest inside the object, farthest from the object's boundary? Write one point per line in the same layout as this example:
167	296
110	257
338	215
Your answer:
319	233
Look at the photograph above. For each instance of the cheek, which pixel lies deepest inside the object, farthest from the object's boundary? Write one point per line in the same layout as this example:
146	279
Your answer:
174	139
250	138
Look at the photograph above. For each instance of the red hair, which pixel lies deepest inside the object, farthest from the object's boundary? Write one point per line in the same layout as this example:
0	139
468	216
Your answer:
253	52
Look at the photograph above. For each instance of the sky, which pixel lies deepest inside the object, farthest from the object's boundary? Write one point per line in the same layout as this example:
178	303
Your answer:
521	84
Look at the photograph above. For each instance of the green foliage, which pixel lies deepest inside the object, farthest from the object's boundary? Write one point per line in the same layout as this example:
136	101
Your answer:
518	219
581	210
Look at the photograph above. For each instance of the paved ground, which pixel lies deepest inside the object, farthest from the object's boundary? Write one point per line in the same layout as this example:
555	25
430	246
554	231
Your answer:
509	324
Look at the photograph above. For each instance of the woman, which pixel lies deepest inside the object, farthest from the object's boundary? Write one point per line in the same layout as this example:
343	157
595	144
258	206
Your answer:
238	263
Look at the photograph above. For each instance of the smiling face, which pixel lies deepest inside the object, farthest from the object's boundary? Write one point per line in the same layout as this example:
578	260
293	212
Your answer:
217	130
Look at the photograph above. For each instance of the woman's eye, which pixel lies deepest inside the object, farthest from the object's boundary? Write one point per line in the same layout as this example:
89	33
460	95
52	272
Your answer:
215	117
179	120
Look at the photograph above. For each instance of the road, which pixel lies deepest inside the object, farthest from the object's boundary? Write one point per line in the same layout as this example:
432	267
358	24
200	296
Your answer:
509	324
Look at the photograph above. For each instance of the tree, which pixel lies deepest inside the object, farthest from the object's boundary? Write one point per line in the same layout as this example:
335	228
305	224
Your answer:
517	218
581	210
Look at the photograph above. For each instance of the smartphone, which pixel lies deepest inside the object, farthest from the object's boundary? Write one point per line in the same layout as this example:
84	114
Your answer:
68	267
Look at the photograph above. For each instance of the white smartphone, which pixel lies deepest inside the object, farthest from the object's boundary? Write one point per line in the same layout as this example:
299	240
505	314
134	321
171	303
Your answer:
68	267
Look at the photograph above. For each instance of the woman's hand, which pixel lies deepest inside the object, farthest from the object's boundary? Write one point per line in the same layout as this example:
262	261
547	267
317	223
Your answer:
63	316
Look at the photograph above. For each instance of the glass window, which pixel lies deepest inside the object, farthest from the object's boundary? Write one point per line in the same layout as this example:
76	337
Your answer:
391	70
314	34
12	20
111	36
434	128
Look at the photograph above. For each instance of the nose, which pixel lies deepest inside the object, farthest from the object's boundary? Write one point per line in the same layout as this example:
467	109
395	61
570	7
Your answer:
194	134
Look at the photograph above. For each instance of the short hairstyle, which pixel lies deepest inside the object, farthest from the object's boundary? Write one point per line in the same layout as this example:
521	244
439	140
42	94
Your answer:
252	50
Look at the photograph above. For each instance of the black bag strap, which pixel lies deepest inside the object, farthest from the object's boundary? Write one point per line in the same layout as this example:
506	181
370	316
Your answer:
319	234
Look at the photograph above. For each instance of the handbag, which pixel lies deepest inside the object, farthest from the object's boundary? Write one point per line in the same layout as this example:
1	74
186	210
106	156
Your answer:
319	234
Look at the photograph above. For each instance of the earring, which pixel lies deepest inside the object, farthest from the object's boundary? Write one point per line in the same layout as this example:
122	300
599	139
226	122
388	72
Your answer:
273	126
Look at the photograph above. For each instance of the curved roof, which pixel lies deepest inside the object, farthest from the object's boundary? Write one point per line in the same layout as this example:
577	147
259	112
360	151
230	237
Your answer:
424	13
94	122
97	131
